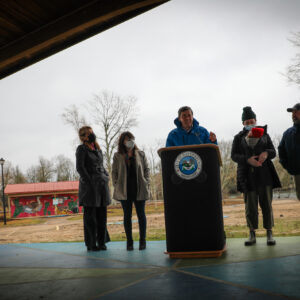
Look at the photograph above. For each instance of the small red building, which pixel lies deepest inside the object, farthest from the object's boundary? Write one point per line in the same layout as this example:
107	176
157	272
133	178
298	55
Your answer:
42	199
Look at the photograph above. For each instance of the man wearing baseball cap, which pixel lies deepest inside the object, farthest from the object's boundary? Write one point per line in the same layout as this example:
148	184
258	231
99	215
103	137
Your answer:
289	147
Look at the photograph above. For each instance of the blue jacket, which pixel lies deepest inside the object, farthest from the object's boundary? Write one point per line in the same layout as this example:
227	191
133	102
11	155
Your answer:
289	150
180	137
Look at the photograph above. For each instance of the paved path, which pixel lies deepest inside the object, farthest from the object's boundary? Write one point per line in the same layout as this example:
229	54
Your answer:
68	271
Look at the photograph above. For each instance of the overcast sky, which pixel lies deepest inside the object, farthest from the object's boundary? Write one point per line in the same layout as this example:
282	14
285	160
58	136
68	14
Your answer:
213	55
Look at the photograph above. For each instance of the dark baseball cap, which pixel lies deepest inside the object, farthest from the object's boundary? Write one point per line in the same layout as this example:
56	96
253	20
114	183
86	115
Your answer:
294	108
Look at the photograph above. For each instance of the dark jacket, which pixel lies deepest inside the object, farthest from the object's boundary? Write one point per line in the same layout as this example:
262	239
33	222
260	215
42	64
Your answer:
249	177
180	137
289	150
93	182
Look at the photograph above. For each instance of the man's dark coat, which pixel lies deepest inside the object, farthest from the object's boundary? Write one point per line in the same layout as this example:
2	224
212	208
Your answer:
289	150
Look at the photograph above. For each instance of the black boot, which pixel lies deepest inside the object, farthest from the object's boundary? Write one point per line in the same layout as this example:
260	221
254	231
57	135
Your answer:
102	247
142	245
252	239
270	240
129	245
93	248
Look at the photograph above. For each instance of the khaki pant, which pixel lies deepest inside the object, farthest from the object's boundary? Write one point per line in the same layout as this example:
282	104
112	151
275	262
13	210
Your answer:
297	183
263	196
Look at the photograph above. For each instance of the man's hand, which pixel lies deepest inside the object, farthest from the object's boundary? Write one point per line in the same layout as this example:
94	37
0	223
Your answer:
262	157
253	162
212	137
250	134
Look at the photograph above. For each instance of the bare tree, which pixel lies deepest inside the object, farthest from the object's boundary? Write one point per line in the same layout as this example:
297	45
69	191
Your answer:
8	173
110	115
72	117
156	192
7	177
228	170
32	174
293	70
43	172
64	169
18	176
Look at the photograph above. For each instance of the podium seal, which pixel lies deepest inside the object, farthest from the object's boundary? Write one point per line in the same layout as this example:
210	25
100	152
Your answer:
188	165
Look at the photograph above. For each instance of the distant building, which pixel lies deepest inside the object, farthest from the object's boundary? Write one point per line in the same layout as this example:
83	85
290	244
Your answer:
42	199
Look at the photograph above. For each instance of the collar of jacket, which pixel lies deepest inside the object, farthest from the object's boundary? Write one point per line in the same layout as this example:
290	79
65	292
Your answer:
297	127
88	148
244	131
179	126
136	157
136	153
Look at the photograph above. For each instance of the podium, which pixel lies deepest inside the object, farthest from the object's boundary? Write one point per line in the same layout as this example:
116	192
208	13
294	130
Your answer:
193	201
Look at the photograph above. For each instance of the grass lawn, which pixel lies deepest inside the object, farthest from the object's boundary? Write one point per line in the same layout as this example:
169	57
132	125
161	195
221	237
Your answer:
22	222
152	235
282	228
287	226
117	211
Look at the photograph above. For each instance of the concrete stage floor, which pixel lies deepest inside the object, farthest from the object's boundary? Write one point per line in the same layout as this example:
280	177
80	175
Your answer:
68	271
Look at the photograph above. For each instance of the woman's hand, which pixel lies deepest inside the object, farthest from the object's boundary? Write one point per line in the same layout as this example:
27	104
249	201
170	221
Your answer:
262	157
253	162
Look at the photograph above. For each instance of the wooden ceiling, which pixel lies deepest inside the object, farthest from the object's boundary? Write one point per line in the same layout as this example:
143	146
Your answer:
31	30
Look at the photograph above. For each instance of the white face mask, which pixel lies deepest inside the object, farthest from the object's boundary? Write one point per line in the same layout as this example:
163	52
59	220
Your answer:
249	127
129	144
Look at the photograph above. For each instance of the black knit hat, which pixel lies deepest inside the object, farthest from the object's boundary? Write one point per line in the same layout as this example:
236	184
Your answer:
248	113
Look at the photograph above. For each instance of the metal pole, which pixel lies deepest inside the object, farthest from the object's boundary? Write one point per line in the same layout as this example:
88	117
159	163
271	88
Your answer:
3	197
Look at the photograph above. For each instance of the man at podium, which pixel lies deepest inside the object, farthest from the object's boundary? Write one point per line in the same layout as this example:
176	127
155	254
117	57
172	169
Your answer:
188	131
191	178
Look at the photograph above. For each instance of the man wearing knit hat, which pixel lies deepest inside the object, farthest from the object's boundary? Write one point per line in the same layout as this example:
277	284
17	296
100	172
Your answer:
289	147
252	149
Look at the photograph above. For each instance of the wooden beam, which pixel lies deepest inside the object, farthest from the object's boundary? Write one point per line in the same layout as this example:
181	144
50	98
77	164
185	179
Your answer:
67	31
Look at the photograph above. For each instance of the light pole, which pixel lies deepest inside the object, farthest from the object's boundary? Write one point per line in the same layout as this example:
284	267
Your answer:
2	161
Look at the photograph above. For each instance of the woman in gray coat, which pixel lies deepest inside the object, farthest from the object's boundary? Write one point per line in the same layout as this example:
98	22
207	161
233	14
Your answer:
93	190
130	175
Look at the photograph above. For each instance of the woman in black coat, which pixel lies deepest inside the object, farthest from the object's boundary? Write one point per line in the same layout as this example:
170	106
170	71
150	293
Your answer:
93	190
256	174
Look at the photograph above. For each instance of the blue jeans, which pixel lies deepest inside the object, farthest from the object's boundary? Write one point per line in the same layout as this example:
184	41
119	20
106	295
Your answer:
140	211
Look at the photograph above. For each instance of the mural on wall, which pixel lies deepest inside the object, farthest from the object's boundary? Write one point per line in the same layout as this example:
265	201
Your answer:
33	206
65	207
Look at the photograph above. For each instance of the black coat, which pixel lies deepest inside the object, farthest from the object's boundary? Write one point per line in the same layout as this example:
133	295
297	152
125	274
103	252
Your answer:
249	177
93	182
289	150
